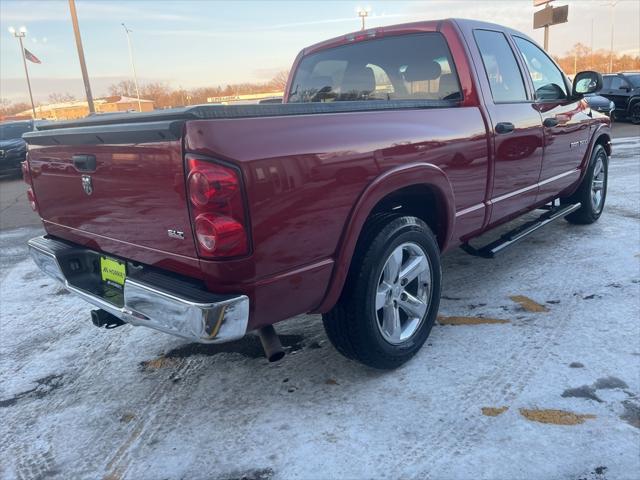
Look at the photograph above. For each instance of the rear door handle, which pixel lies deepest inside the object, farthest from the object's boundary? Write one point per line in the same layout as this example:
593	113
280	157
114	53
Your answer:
505	127
550	122
84	163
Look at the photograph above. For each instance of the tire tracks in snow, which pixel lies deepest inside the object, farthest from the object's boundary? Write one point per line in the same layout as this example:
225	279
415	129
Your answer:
466	426
162	410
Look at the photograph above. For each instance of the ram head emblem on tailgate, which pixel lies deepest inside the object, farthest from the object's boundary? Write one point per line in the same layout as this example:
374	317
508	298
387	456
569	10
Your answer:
87	185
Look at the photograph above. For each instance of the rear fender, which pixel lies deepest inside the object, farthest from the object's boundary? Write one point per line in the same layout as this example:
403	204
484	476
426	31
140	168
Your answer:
423	174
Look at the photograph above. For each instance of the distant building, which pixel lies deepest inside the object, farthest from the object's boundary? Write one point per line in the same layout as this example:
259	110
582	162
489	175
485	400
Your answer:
73	110
245	99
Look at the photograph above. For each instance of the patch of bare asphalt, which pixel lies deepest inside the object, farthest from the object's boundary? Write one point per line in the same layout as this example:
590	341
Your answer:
257	474
585	391
631	413
589	391
528	304
555	417
44	386
597	473
249	346
442	320
609	383
591	297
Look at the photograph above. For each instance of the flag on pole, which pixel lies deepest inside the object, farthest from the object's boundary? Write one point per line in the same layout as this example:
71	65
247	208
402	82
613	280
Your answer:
31	57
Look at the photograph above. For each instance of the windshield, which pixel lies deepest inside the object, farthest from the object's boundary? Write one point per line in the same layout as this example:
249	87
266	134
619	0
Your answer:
634	80
404	67
13	130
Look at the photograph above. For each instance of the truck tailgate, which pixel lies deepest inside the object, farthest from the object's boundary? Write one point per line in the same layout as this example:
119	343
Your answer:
133	195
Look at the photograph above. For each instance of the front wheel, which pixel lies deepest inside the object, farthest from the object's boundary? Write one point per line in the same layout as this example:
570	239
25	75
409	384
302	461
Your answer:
592	192
391	298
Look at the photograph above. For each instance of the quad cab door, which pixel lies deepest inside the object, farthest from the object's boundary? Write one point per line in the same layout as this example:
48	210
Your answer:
516	125
566	121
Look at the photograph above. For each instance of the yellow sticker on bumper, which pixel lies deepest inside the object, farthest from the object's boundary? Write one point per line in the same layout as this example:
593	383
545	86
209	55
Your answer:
113	271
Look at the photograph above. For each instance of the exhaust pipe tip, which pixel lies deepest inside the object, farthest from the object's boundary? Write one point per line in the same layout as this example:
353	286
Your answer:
271	343
101	318
96	318
276	356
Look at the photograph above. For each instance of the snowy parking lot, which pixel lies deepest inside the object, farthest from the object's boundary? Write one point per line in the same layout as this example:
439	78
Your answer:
532	373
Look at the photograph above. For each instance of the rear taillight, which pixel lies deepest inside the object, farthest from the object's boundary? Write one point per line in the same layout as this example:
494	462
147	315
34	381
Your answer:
32	199
26	176
217	208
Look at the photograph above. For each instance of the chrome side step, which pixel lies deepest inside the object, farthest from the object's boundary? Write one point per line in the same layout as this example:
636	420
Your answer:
517	234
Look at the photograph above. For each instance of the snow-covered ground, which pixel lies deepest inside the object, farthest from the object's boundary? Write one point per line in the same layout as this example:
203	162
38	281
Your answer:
78	402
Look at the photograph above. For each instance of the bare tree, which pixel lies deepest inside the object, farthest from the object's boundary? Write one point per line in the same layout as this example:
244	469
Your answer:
7	107
61	97
279	82
124	88
580	57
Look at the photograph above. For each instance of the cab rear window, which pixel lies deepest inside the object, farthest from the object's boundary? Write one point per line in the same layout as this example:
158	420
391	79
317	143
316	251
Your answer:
407	67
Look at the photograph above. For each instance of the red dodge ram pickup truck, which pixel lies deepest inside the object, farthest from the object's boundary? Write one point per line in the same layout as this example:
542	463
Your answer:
391	146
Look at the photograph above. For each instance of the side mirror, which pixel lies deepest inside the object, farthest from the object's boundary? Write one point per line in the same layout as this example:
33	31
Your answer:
586	82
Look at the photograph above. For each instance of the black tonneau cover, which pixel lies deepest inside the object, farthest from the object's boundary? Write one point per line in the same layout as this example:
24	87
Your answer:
203	112
162	125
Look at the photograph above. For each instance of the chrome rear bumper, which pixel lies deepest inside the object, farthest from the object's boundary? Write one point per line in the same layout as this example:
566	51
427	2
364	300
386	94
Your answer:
150	299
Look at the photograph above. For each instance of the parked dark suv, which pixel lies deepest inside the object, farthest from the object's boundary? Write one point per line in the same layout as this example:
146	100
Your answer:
624	90
12	147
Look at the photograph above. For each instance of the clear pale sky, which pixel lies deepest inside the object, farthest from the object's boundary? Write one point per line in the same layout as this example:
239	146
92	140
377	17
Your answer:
207	43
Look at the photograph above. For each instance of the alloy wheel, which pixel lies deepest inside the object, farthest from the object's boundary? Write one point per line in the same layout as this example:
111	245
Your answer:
403	293
598	185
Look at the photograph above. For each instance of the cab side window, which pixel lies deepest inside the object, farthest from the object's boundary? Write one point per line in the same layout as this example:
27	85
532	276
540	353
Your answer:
548	80
501	67
618	83
398	67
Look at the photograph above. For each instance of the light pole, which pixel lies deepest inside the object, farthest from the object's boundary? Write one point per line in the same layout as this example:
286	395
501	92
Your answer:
20	34
591	47
363	12
612	5
83	65
133	65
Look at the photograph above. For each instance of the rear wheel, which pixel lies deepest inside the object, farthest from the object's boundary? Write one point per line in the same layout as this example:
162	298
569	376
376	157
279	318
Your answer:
634	114
592	192
391	298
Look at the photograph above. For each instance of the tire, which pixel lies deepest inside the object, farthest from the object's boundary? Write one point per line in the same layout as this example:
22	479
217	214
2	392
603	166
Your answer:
634	113
388	336
591	203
